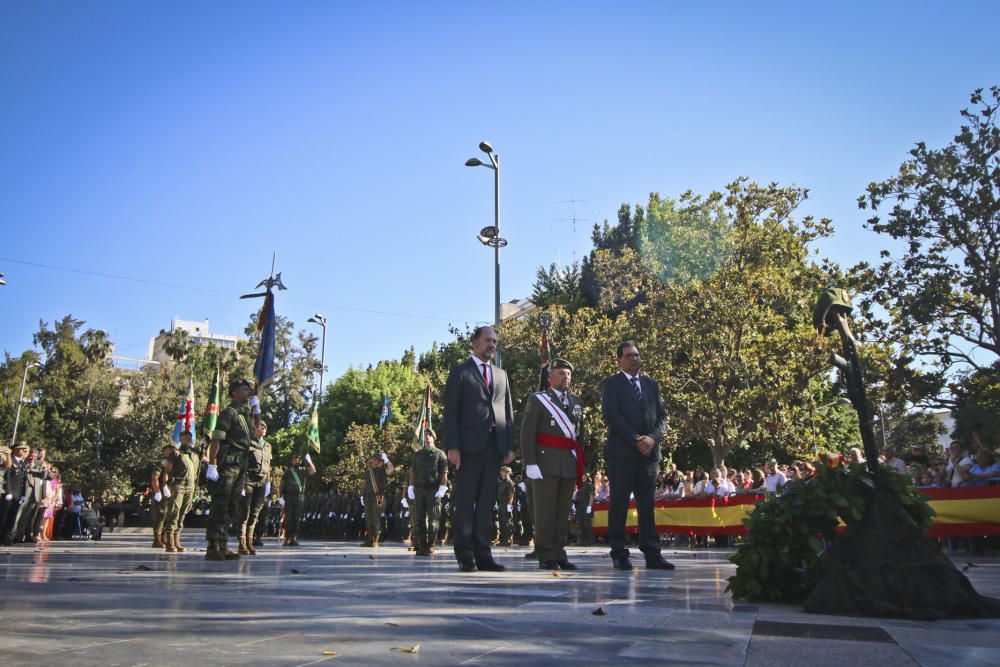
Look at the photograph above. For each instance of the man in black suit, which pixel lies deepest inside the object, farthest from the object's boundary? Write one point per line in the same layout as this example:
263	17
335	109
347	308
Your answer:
479	429
16	488
636	420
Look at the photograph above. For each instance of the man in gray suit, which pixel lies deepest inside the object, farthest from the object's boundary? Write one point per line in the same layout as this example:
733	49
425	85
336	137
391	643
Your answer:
479	429
636	420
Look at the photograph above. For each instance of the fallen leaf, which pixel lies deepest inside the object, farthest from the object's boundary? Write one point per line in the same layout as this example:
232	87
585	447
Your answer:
407	649
372	557
329	653
394	625
599	612
555	574
143	568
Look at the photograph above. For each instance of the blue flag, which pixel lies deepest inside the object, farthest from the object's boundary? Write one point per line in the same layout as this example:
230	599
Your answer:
386	412
263	367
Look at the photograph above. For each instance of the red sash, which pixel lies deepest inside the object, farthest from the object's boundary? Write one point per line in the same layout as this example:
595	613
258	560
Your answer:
562	442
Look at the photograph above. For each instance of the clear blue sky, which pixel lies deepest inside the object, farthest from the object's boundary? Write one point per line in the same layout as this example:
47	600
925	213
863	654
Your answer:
182	143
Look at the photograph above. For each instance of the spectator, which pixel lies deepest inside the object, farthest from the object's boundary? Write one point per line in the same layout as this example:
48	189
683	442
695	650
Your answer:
855	456
775	478
959	463
894	461
927	481
985	470
757	479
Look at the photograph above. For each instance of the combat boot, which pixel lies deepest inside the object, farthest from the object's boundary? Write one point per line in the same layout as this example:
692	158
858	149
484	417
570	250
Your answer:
293	541
227	553
243	551
157	540
248	543
416	544
168	543
213	552
177	543
429	547
257	541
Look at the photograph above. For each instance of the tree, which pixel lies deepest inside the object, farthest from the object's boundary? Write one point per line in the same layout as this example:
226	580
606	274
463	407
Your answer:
941	290
559	287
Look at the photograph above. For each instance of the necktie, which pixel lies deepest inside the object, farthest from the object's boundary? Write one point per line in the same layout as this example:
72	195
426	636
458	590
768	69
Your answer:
636	389
486	377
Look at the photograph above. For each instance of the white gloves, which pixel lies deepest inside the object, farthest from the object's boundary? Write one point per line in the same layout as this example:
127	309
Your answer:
589	509
158	496
255	404
166	491
404	503
212	473
409	492
267	489
243	492
362	501
510	508
385	458
523	487
533	472
281	502
307	459
8	497
443	489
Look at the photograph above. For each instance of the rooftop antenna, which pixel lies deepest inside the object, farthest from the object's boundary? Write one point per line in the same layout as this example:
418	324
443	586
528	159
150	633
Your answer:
573	220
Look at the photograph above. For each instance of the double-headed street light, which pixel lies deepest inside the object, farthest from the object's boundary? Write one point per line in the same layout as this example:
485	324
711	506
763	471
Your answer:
20	399
320	320
490	236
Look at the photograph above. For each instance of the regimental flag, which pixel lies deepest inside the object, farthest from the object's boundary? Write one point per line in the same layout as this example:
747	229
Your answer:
185	415
544	358
386	414
424	420
212	411
263	367
312	433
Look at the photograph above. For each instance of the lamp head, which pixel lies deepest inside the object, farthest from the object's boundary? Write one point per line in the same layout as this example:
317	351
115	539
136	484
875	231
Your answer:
485	147
474	162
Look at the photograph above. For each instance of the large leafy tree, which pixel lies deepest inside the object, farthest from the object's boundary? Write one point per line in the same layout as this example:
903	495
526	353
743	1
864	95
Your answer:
940	286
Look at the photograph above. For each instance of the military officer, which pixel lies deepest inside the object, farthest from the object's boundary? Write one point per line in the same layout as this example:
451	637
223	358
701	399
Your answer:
428	483
551	443
583	506
256	489
374	496
293	489
505	507
180	467
160	496
227	465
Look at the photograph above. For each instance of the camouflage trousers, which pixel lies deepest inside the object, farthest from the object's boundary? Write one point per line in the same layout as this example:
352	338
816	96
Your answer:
373	516
425	514
176	507
252	503
225	494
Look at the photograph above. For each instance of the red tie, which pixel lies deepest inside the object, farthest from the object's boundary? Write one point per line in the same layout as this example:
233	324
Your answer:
486	376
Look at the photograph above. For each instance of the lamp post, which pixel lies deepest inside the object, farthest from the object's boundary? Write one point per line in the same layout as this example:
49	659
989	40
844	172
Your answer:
320	320
490	236
20	399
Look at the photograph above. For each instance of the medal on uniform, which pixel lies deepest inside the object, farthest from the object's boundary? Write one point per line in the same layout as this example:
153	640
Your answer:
552	422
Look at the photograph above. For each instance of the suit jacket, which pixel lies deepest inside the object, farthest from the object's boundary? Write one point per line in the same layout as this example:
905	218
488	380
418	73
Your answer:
17	478
627	417
470	410
559	463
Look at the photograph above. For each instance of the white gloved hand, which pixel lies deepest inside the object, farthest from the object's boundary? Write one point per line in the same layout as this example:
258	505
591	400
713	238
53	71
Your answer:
589	509
533	472
8	497
409	492
243	492
523	487
443	489
307	459
404	503
362	501
255	404
281	502
166	491
267	489
157	496
212	473
385	458
510	508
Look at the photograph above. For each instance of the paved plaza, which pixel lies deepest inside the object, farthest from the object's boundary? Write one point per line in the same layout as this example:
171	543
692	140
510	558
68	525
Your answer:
118	602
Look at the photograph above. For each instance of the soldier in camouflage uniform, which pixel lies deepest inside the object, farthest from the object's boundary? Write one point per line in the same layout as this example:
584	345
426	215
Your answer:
256	489
505	507
376	479
181	468
227	464
158	501
293	487
428	483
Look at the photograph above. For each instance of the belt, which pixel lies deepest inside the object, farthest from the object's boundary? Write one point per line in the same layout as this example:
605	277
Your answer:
562	442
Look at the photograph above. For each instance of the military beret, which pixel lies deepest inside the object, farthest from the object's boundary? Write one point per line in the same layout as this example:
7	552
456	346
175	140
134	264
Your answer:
505	468
241	382
562	363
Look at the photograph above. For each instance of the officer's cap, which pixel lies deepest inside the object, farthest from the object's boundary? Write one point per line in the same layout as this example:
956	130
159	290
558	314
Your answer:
20	445
562	363
505	468
236	383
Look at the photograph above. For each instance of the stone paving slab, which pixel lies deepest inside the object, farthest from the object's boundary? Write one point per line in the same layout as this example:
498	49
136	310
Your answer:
118	602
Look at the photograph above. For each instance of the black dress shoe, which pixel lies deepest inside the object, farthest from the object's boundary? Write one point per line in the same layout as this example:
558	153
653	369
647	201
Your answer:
658	563
531	554
490	566
548	565
621	562
565	565
466	566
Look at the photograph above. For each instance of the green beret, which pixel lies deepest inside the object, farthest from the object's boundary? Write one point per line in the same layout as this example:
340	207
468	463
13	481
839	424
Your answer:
562	363
241	382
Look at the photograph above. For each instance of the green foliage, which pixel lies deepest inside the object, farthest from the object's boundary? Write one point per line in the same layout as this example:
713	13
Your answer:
559	287
686	240
977	414
789	532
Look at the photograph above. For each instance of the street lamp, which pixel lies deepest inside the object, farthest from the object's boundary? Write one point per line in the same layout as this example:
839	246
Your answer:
320	320
490	236
20	399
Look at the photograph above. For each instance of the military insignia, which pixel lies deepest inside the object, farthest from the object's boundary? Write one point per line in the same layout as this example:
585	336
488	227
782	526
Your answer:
552	422
577	412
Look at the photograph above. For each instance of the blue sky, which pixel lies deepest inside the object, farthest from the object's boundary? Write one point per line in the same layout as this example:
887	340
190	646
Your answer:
182	143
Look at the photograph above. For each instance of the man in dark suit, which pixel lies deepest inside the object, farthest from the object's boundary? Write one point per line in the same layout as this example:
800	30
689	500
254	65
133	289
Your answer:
479	429
636	420
17	484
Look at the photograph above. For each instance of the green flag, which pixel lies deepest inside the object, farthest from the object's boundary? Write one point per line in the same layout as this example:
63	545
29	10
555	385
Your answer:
312	434
212	411
424	420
